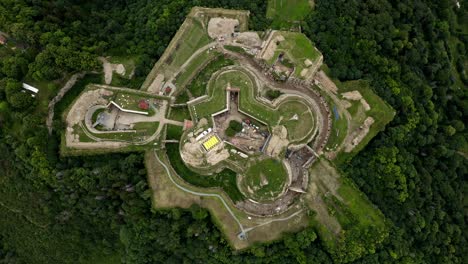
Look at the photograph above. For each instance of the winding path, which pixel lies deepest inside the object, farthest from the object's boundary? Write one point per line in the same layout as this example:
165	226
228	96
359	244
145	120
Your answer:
70	83
244	231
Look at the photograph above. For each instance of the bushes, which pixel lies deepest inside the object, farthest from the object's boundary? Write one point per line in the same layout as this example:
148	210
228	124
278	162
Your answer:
273	94
234	127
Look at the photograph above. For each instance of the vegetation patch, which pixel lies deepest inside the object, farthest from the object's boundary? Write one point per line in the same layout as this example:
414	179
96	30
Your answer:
265	179
74	92
273	94
285	12
233	128
297	48
198	86
226	179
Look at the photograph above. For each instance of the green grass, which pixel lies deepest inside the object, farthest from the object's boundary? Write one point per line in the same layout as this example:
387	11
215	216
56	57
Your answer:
182	97
120	81
236	49
173	132
265	178
179	114
145	126
129	101
127	61
339	126
283	12
217	92
47	90
382	113
358	204
226	179
198	86
192	39
193	68
143	129
297	48
297	129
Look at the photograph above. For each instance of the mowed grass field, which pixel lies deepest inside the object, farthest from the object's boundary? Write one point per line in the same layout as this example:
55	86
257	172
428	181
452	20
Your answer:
193	37
297	48
217	92
283	12
193	68
190	37
265	179
297	129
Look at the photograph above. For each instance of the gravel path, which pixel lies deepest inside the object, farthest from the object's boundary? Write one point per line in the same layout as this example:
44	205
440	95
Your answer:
70	83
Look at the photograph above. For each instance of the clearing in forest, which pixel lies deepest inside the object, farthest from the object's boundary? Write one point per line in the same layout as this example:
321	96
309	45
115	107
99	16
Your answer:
283	12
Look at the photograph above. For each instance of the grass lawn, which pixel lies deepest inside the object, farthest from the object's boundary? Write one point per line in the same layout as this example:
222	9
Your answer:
129	101
143	130
226	179
47	90
297	48
217	92
189	38
297	129
358	204
339	122
193	68
283	12
198	85
382	113
192	38
264	180
127	61
173	132
182	97
179	113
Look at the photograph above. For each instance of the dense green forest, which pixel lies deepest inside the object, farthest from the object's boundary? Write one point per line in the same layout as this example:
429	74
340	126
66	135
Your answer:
97	209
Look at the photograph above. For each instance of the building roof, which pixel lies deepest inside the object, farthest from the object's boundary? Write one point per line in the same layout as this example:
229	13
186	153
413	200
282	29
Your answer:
30	88
3	39
211	143
143	104
126	110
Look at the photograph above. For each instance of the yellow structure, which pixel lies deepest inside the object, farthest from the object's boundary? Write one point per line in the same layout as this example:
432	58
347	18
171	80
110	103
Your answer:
211	143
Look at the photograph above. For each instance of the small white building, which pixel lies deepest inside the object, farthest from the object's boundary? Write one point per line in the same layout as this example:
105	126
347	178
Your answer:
30	88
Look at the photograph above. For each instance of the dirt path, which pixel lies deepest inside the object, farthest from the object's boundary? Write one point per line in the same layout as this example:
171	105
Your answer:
70	83
107	70
194	55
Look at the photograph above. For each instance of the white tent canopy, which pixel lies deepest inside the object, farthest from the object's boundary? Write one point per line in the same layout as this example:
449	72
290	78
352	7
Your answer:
30	88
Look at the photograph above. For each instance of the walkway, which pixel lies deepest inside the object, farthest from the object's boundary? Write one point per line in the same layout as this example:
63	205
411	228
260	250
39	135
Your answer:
70	83
243	230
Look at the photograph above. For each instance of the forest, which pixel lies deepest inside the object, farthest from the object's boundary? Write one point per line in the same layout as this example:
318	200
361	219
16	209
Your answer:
97	209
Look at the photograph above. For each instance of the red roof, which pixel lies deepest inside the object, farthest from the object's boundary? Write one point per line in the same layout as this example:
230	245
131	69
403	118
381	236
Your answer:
143	104
168	89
